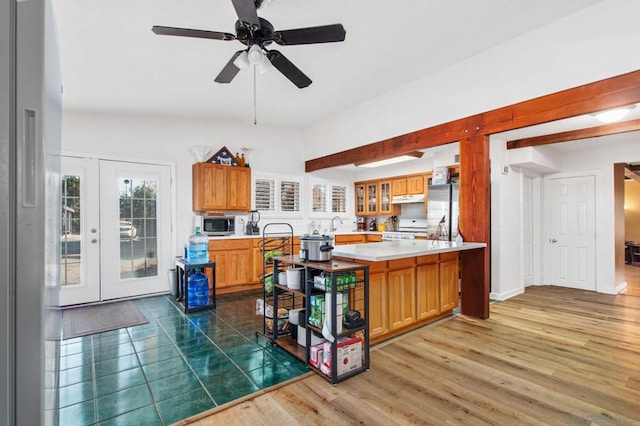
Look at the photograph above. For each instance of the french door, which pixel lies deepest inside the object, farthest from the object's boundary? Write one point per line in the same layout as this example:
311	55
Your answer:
116	229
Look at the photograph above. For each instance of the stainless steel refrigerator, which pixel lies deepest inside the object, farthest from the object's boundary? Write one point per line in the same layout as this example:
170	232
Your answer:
443	211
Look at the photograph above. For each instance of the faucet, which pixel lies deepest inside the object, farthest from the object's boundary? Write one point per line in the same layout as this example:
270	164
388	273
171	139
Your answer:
333	227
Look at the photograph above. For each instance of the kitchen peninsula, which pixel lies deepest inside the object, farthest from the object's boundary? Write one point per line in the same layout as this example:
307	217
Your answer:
411	282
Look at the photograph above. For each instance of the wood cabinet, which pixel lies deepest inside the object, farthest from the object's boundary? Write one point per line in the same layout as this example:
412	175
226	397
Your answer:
448	281
371	198
401	293
350	239
408	185
216	187
360	197
233	261
374	238
386	207
378	304
428	290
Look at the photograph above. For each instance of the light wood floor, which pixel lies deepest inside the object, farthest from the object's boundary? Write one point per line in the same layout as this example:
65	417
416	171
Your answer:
550	356
632	276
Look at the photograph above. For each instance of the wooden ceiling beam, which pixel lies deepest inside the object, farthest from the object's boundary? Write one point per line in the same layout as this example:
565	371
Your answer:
573	135
604	94
630	173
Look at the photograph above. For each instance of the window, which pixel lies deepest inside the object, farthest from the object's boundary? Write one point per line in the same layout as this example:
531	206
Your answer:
318	198
339	199
329	198
290	196
280	196
265	195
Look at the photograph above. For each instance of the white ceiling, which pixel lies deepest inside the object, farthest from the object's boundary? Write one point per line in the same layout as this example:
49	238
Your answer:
112	62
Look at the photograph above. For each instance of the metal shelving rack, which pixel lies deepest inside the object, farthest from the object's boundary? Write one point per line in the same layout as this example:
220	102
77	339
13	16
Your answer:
277	237
358	292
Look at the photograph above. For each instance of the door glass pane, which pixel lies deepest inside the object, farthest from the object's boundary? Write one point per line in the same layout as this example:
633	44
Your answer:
70	259
138	228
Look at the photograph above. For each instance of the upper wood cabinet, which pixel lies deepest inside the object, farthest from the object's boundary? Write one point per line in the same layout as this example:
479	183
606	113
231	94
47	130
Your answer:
216	187
385	206
360	193
408	185
371	198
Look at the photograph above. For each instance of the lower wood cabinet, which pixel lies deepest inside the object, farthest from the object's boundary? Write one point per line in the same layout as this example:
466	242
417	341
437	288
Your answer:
402	298
427	290
378	302
448	281
350	239
408	292
233	261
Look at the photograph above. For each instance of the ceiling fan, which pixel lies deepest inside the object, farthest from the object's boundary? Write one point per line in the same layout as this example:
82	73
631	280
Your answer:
256	33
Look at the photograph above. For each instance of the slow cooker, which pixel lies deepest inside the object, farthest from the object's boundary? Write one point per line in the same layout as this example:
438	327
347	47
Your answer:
316	248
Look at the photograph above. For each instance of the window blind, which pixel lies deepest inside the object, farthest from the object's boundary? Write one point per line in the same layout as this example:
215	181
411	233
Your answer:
290	196
265	194
338	199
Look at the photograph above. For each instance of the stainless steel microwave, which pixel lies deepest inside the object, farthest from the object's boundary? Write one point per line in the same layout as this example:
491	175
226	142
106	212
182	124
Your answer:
218	225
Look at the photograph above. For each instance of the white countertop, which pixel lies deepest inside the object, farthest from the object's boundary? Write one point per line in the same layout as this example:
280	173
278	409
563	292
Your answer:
399	249
240	236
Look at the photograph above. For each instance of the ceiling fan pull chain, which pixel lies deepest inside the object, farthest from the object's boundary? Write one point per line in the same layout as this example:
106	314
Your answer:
255	114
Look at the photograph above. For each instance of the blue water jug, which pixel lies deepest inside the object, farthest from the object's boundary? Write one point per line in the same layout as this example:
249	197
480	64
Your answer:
198	247
198	290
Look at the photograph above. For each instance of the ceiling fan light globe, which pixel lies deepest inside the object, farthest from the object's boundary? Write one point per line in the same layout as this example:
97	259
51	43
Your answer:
264	66
242	61
255	54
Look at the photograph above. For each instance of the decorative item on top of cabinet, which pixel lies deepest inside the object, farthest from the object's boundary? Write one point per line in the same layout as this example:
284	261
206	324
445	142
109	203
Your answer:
224	157
217	188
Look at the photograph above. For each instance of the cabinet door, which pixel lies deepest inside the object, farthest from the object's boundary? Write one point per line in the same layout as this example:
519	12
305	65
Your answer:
239	265
399	187
415	185
238	188
209	185
350	239
371	206
427	291
385	197
378	304
221	258
257	262
448	285
402	298
360	194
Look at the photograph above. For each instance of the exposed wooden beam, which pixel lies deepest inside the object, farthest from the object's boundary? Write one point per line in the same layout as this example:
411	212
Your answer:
631	174
573	135
604	94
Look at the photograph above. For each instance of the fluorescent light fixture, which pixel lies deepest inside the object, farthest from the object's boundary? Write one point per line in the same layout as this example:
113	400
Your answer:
391	160
613	115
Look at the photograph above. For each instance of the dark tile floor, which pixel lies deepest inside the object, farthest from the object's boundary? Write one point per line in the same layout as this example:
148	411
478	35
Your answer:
175	366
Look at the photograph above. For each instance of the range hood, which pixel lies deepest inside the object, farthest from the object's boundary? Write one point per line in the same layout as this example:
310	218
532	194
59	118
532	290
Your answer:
407	199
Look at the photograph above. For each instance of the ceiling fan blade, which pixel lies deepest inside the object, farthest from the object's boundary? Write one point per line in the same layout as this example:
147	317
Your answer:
289	70
246	11
187	32
311	35
230	70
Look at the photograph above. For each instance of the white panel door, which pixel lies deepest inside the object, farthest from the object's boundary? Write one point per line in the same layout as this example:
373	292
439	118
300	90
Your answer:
79	236
571	236
136	228
527	230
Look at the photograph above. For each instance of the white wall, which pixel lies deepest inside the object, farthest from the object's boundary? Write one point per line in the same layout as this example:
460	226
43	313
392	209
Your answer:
587	46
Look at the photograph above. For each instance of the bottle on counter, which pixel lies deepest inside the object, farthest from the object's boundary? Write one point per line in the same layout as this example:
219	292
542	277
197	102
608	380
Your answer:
198	289
198	247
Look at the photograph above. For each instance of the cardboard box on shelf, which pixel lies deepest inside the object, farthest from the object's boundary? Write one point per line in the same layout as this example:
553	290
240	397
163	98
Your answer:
349	353
316	355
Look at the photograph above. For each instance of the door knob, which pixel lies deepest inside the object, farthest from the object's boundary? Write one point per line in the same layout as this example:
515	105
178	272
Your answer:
94	230
94	240
553	240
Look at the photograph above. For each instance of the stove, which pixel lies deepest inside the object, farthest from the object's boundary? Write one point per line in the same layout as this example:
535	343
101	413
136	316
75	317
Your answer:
407	229
387	236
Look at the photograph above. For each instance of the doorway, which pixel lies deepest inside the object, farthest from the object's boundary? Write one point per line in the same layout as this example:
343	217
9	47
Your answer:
116	229
570	245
